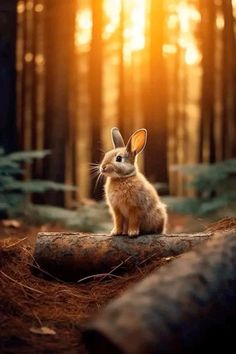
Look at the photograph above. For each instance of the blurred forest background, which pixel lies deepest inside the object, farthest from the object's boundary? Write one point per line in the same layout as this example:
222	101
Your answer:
72	69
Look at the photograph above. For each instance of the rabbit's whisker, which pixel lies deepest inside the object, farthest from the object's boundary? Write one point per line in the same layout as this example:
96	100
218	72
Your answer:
94	169
94	174
94	164
99	179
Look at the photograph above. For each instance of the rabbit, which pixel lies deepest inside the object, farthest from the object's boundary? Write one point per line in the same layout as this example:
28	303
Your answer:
133	202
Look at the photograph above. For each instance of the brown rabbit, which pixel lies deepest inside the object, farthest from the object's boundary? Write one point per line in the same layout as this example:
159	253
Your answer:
135	206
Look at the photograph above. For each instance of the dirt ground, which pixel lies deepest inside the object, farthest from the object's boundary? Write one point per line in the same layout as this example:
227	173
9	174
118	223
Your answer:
41	316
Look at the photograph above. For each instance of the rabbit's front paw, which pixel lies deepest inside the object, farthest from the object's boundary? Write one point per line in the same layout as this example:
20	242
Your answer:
115	232
133	232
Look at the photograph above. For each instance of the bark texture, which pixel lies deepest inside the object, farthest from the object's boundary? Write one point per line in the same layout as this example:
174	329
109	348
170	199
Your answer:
70	256
187	306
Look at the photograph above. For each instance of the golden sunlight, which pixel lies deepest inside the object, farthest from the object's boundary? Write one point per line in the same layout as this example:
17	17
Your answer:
83	28
134	24
112	13
192	55
187	13
134	31
169	49
134	15
188	17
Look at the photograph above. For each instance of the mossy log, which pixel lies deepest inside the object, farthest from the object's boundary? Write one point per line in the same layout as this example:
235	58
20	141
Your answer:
70	256
186	306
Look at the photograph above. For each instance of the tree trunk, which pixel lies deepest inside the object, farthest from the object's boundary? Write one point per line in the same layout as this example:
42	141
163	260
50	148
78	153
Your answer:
8	136
207	137
187	306
70	256
96	88
59	44
156	99
121	101
229	82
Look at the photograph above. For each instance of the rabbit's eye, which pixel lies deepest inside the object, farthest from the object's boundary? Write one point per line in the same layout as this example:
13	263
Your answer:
118	158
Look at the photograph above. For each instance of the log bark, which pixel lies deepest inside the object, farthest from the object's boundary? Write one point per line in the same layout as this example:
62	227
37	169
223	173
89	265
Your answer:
70	256
186	306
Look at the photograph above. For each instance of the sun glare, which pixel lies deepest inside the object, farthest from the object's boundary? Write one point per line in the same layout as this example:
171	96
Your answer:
169	49
134	14
188	17
192	55
134	22
112	14
135	26
220	22
83	28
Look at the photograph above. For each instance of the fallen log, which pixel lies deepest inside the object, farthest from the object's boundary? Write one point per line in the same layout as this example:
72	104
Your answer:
70	256
186	306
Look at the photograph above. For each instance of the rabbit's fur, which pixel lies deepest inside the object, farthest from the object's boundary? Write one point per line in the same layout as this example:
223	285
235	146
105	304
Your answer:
133	201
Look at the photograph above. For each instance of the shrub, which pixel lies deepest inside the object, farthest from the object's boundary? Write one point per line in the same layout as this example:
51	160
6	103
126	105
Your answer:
13	189
214	186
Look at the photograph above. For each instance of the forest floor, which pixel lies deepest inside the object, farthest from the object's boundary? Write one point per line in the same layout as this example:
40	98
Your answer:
41	316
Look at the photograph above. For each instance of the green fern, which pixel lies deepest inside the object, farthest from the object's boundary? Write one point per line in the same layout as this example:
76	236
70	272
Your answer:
14	190
213	183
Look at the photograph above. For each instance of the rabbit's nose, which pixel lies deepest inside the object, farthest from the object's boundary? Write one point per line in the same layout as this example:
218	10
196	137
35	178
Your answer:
103	168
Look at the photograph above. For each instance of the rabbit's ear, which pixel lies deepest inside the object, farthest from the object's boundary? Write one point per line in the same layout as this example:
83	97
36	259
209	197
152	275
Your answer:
137	142
116	138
